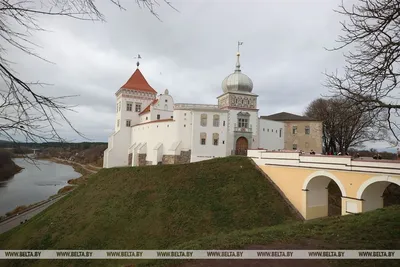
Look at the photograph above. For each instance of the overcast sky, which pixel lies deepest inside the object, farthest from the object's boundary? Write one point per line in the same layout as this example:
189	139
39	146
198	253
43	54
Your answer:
189	52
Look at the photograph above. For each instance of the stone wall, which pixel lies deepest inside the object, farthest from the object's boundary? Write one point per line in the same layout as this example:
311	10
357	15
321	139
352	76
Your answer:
169	159
142	159
130	159
184	157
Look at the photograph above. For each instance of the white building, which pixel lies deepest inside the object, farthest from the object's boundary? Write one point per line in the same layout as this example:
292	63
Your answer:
151	129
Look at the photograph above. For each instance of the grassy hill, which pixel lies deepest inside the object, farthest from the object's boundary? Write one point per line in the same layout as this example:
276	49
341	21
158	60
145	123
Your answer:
152	207
379	229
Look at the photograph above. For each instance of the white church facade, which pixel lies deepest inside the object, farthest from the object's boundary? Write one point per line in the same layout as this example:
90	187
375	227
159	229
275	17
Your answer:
151	129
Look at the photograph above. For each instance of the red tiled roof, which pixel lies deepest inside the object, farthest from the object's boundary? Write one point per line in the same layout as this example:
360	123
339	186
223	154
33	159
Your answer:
138	82
147	109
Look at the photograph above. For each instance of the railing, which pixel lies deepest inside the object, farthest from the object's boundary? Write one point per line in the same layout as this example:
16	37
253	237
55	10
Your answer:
189	106
346	163
242	129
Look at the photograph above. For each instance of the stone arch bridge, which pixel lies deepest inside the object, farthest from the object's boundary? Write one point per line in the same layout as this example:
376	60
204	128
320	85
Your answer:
304	179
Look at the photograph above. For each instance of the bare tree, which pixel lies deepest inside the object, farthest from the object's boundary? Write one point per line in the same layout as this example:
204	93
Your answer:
371	73
343	125
25	114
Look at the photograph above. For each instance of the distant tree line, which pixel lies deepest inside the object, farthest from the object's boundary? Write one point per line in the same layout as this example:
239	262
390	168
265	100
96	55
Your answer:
79	146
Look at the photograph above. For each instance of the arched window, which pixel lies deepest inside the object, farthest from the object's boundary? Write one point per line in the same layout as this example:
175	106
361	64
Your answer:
215	139
203	137
203	120
216	120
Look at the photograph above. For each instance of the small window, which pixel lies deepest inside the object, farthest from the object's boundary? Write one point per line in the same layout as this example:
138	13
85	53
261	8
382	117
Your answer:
203	137
294	129
223	142
267	130
215	138
158	116
307	130
147	118
280	132
184	114
184	125
117	123
243	123
172	117
203	120
129	106
294	146
223	124
128	123
166	100
216	120
263	129
138	107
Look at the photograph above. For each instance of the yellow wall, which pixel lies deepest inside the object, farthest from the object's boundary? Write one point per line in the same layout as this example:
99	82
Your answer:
305	142
291	180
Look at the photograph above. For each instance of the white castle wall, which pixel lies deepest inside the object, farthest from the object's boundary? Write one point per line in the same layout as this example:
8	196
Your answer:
271	134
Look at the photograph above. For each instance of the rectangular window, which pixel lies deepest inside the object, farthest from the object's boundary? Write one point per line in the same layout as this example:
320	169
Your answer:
203	137
280	132
223	123
216	120
129	106
158	116
138	107
294	129
128	123
117	123
215	138
307	130
203	120
294	146
172	117
243	123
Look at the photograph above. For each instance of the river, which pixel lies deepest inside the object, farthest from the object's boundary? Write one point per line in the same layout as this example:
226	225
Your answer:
34	183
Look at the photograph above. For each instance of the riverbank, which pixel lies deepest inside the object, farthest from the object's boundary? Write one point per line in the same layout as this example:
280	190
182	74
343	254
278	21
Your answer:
71	184
8	168
84	170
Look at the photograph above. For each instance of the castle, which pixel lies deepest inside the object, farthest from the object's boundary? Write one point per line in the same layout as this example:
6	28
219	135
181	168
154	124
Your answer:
151	129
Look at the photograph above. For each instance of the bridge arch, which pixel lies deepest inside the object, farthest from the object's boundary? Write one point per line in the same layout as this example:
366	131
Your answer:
315	200
371	191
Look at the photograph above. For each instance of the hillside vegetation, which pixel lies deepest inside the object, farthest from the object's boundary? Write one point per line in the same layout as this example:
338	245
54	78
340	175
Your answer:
378	229
152	207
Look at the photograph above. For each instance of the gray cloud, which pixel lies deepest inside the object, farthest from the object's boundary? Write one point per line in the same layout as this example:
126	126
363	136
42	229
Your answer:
190	53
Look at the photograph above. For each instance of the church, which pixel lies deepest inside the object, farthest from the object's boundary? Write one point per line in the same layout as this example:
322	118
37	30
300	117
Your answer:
152	129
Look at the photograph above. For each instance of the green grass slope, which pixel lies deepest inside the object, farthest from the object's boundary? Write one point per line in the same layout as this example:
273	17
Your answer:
379	229
153	207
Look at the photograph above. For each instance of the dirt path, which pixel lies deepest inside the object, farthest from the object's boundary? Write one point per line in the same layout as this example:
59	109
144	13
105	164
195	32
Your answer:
81	165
